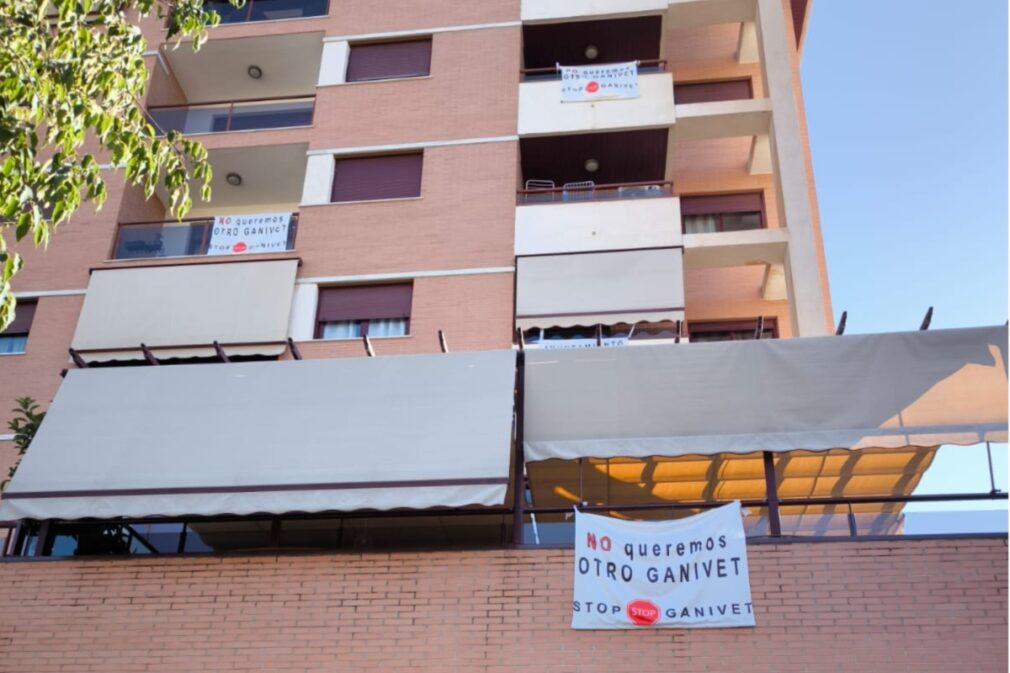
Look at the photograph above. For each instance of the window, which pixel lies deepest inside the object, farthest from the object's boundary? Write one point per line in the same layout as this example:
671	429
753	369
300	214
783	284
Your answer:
393	176
610	334
737	330
389	60
710	92
363	310
267	10
722	212
15	338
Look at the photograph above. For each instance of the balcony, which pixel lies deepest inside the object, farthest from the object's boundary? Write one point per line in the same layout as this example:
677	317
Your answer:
541	111
147	240
267	10
597	191
222	117
600	217
552	10
593	43
270	79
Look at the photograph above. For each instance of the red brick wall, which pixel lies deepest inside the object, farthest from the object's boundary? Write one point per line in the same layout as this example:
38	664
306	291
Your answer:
865	607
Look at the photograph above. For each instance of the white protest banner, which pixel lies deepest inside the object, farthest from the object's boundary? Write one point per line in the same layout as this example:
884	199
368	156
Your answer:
685	573
606	342
581	83
259	232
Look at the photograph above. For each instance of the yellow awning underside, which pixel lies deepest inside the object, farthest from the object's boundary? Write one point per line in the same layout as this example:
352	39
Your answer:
725	477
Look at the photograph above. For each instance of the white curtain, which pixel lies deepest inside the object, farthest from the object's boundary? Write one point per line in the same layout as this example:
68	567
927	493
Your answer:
701	224
387	327
13	343
341	329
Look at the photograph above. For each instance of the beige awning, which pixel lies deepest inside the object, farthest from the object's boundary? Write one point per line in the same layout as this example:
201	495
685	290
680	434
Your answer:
391	432
181	310
626	286
846	392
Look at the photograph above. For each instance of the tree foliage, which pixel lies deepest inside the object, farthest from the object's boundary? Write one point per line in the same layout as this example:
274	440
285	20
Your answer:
25	424
72	79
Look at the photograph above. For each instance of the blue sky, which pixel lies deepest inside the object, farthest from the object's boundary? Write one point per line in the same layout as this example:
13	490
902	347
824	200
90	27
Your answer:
906	104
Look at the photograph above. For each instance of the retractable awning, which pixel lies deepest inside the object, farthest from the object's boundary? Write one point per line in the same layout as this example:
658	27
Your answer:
624	286
416	431
841	392
180	311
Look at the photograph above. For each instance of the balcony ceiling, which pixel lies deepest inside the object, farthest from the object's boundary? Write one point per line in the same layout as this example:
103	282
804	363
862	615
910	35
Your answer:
219	71
271	176
623	156
617	40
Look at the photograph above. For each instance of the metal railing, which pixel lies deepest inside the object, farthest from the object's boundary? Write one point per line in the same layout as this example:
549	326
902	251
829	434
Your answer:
586	192
645	67
804	518
267	10
183	238
238	115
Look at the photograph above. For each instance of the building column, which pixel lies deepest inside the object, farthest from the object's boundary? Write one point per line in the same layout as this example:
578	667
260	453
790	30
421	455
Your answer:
811	313
333	63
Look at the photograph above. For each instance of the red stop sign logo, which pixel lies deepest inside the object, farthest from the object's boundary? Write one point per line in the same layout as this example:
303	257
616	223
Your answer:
593	87
239	247
643	612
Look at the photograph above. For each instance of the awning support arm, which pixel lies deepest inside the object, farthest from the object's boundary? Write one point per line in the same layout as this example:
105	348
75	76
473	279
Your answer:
442	343
992	475
295	353
78	360
840	330
221	355
148	355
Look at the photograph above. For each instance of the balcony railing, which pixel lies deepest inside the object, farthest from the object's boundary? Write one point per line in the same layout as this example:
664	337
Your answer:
539	74
244	115
587	191
145	240
267	10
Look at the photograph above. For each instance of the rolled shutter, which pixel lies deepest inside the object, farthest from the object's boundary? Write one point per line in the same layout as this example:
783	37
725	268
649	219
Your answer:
371	178
364	302
389	60
711	92
24	314
722	203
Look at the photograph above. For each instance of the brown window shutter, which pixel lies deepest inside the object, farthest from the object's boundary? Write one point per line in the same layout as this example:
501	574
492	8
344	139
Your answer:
23	320
389	60
385	177
710	92
715	204
364	302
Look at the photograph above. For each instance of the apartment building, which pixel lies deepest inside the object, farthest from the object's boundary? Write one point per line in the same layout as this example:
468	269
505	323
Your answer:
282	490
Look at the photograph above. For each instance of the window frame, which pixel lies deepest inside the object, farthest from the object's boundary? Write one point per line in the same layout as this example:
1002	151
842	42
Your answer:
721	214
429	39
354	157
318	323
729	326
23	330
749	81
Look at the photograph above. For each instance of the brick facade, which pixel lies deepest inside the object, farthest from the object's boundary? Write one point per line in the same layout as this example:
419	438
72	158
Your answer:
909	605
